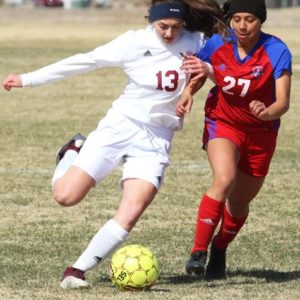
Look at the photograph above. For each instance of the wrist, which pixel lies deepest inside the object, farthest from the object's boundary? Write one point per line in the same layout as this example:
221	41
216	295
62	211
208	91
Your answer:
209	69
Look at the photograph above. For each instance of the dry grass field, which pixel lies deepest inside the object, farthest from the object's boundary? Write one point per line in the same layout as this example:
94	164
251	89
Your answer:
39	238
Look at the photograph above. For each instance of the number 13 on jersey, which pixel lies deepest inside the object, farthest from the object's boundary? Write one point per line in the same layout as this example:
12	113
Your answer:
167	81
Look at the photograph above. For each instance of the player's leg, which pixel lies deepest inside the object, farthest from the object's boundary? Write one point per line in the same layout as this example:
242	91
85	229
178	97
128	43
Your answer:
108	238
141	179
237	207
234	217
223	156
137	195
70	184
82	162
244	191
253	167
69	189
72	187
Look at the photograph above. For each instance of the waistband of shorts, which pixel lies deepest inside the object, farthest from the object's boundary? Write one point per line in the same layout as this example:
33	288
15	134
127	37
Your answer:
244	129
163	132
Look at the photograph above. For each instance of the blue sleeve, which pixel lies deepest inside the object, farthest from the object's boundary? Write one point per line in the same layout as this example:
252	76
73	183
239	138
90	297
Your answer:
210	47
280	57
284	63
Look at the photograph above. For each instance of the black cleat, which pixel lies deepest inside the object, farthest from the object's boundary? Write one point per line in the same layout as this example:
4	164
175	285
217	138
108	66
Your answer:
196	263
216	267
75	143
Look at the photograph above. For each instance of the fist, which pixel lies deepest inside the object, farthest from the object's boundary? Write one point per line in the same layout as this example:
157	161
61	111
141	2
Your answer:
12	80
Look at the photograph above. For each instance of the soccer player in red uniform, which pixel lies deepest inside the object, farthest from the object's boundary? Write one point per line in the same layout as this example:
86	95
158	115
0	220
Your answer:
252	75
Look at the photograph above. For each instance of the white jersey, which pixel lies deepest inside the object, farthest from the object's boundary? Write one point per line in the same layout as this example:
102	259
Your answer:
155	80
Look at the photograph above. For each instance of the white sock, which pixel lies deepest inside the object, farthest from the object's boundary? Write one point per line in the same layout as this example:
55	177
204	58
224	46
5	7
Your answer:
64	164
104	242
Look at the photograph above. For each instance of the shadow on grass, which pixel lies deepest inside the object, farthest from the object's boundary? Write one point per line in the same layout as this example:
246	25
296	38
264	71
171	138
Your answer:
107	280
268	275
234	278
180	279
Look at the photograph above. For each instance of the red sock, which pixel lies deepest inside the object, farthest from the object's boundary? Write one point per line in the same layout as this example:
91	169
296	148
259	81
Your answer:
209	215
230	227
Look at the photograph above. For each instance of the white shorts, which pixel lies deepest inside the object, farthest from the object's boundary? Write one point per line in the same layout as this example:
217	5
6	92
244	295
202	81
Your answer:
144	150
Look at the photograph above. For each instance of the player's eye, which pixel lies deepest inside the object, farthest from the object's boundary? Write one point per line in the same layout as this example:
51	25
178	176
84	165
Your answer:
163	27
251	19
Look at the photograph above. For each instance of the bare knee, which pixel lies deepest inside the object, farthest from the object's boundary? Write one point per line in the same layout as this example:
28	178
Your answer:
222	186
72	187
65	197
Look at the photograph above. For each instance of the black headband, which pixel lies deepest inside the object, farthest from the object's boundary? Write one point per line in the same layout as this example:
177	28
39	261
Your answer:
167	10
254	7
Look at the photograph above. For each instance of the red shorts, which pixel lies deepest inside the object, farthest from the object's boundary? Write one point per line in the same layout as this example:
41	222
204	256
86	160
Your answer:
256	148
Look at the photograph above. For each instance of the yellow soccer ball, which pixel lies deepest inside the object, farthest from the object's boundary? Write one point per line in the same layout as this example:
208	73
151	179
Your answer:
134	267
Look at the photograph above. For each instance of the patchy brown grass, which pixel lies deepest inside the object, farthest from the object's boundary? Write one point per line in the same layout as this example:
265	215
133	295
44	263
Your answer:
38	238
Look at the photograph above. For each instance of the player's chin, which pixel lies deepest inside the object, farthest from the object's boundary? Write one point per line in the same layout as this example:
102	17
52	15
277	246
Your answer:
243	38
168	41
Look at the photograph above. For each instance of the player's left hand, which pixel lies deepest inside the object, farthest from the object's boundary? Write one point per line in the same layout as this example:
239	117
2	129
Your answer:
259	110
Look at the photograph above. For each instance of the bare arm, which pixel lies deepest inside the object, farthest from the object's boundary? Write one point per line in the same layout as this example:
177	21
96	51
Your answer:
199	71
280	106
185	103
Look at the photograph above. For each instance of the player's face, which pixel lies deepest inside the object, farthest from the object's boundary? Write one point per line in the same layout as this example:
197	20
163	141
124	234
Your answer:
247	28
169	30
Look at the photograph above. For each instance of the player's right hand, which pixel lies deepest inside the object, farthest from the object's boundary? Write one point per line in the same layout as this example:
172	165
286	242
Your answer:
12	80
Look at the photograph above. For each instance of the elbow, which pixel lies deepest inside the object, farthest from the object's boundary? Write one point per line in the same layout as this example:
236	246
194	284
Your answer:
286	107
283	107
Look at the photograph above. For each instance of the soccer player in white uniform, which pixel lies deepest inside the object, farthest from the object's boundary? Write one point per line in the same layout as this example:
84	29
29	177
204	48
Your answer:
139	126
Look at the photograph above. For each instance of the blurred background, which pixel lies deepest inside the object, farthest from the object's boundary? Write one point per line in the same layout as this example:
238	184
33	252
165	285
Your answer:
75	4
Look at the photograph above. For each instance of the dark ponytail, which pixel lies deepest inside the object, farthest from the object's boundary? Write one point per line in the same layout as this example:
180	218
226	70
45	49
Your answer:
226	11
202	15
205	16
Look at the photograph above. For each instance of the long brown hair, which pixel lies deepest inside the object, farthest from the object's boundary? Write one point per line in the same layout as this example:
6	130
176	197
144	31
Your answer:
203	15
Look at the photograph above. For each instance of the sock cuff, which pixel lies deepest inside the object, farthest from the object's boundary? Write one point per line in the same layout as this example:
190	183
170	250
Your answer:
212	203
117	230
64	165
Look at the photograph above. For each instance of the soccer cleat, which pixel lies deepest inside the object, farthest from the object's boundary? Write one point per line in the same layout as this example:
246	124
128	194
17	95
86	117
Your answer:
73	279
196	263
216	267
75	143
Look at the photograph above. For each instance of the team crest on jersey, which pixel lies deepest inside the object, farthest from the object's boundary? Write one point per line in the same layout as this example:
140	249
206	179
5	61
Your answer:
257	71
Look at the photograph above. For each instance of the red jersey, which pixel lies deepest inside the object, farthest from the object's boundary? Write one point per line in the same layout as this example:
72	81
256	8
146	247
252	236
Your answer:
239	81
